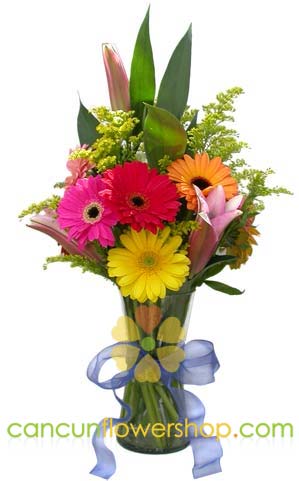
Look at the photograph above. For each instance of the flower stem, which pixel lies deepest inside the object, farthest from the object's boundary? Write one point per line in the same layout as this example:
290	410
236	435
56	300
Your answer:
127	395
152	409
134	395
167	403
157	409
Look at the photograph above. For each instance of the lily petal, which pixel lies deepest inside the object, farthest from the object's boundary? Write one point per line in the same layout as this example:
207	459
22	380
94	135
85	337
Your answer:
234	203
117	78
216	201
214	215
221	222
48	225
203	243
202	205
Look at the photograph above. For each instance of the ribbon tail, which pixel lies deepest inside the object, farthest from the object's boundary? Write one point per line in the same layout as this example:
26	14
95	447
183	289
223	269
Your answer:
207	451
106	464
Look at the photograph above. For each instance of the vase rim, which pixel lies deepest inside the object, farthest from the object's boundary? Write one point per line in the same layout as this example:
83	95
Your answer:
168	296
180	294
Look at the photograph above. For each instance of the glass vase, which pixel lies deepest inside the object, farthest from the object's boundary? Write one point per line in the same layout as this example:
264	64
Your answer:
159	332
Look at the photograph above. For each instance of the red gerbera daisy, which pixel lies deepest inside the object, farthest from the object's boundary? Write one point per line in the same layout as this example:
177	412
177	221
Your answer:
142	197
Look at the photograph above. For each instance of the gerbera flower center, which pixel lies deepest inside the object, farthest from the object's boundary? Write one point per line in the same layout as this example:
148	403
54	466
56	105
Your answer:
201	183
138	201
148	260
93	212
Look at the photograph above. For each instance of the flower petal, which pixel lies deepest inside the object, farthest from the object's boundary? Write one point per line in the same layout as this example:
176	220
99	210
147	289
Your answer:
203	243
171	331
216	201
148	317
117	79
234	203
125	330
125	356
170	357
203	206
147	370
221	222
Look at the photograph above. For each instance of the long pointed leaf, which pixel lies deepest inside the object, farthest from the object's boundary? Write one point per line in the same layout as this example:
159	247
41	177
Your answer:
219	286
174	88
215	267
163	135
142	79
193	122
86	124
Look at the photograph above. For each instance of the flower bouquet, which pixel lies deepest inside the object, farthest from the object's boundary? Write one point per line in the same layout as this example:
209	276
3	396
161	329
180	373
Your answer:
158	202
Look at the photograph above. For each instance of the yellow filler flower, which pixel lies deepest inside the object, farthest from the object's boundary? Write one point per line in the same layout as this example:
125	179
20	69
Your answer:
148	264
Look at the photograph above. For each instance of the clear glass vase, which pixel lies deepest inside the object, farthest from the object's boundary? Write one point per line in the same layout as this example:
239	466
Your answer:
159	331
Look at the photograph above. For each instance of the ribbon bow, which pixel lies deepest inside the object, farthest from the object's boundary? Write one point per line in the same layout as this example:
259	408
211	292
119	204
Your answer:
197	368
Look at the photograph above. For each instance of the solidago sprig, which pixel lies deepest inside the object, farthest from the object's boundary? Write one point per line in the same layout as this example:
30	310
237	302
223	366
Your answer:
213	134
116	141
87	265
35	208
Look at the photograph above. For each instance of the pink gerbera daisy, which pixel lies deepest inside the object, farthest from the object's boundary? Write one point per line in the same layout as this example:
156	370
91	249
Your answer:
78	169
141	197
84	212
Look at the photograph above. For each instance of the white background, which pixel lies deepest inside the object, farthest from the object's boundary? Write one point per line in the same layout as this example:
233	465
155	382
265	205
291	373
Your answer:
52	323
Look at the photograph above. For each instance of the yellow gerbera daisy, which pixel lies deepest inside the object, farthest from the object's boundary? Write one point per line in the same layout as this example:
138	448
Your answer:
148	264
203	172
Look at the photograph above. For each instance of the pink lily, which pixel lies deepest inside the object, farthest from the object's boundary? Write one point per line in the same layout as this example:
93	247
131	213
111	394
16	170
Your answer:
214	216
117	78
47	224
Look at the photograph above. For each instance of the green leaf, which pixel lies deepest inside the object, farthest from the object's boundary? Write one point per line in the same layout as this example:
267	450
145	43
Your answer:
216	265
86	124
142	79
163	135
219	286
193	122
174	88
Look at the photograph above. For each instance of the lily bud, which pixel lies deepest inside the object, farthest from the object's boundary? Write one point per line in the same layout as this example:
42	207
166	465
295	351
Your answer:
117	78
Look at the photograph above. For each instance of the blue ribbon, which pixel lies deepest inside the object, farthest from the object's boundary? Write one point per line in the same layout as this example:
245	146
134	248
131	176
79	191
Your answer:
198	368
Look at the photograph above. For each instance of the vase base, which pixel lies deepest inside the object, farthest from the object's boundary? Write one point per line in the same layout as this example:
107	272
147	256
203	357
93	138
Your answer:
143	449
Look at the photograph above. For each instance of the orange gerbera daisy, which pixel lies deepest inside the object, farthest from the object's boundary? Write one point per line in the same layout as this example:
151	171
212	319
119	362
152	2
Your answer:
203	172
242	246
